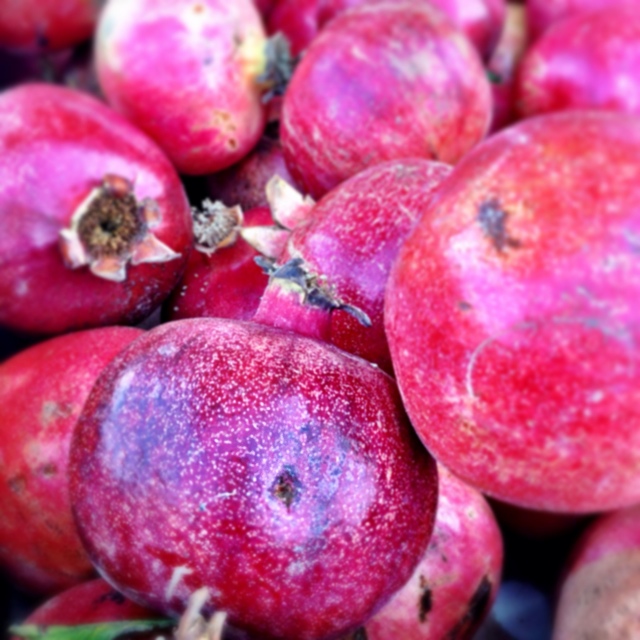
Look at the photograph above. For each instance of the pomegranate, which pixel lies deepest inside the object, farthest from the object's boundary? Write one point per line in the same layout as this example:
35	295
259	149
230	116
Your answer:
37	25
599	592
104	243
302	20
270	468
541	14
586	61
352	236
453	587
381	82
222	279
39	545
512	319
201	104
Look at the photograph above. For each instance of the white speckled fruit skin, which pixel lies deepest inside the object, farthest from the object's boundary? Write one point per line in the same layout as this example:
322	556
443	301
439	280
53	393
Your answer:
180	448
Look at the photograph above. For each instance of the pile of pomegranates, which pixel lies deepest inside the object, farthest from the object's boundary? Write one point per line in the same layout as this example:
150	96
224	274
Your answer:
319	319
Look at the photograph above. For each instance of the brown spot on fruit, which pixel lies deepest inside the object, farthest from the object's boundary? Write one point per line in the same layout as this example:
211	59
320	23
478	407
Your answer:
493	221
286	487
425	602
475	612
49	469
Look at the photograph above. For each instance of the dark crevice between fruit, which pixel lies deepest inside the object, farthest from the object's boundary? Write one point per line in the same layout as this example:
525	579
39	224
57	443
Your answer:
493	221
279	67
476	610
287	487
425	602
316	293
111	224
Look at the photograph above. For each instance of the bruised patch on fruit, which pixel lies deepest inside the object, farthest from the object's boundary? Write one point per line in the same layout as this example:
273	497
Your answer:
475	612
425	603
286	487
493	221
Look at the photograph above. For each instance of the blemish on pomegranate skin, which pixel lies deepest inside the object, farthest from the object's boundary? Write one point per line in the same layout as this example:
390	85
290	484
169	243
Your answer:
475	611
286	487
493	221
17	484
425	602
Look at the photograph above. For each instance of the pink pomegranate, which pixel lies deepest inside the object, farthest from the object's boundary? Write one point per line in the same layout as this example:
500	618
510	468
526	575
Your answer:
302	20
222	279
103	243
512	319
599	591
39	546
352	236
202	103
37	25
541	14
382	82
273	469
453	587
585	61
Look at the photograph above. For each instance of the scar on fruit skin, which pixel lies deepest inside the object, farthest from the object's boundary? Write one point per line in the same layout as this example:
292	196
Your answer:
476	609
425	602
493	218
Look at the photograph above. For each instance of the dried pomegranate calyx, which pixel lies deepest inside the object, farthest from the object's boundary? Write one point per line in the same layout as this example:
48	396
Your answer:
296	273
216	225
111	228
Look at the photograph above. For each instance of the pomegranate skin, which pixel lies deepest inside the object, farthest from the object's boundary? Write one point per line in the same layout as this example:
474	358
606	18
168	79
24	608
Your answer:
362	95
511	315
204	458
302	20
541	14
202	104
44	129
586	61
39	546
225	284
598	595
456	582
352	238
31	26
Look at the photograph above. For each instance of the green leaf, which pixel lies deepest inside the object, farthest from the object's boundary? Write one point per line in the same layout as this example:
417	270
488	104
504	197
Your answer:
98	631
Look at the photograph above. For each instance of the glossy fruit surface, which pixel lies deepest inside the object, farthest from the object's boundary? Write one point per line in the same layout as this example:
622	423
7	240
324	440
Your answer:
512	319
42	391
96	224
201	104
273	469
382	82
